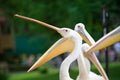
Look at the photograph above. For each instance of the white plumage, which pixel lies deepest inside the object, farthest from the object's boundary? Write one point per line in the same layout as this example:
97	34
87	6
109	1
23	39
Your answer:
91	75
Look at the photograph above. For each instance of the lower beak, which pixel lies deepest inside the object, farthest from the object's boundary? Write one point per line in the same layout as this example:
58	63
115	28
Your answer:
97	64
61	46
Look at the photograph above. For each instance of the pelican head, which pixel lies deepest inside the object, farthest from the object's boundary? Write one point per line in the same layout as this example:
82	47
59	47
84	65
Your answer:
80	28
65	32
79	25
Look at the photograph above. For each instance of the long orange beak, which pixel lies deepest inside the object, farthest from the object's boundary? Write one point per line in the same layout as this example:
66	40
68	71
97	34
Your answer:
109	39
39	22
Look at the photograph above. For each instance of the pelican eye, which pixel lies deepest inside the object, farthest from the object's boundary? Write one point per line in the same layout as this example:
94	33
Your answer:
66	30
79	26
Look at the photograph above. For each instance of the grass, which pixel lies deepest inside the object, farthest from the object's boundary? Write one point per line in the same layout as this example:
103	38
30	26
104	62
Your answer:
24	76
35	76
53	74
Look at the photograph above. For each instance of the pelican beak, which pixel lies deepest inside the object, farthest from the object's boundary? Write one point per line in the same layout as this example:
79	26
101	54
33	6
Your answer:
109	39
86	37
61	46
39	22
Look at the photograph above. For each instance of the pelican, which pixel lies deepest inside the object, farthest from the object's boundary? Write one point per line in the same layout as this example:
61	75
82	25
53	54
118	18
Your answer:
80	28
58	43
77	41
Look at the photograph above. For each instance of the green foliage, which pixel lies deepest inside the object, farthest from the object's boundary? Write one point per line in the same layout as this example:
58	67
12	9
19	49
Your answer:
59	13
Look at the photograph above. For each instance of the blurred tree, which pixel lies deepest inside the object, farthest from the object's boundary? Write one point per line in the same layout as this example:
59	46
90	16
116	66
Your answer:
65	13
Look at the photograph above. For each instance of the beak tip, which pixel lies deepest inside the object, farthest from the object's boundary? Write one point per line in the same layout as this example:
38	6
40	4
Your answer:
15	14
30	70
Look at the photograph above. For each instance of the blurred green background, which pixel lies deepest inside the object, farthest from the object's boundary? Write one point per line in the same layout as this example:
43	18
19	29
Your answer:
22	42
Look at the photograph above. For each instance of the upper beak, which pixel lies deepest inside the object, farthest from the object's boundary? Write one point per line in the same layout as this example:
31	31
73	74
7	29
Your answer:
86	37
61	46
90	41
39	22
109	39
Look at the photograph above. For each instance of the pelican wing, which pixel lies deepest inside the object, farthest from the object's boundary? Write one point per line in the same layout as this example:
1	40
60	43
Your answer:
61	46
109	39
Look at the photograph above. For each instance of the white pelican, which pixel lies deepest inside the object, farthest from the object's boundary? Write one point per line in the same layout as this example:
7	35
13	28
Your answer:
107	40
80	28
60	41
